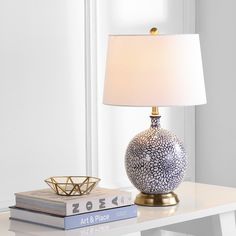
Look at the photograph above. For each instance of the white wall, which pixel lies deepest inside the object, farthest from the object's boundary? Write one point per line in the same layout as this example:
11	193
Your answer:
118	125
215	122
42	118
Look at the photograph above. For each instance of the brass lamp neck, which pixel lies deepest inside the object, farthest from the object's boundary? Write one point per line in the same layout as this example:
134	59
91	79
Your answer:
155	111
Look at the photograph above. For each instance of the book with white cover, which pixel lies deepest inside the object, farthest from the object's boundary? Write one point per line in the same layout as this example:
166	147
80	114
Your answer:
45	200
75	221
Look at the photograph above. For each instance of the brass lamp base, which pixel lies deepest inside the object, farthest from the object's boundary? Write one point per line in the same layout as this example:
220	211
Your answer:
158	200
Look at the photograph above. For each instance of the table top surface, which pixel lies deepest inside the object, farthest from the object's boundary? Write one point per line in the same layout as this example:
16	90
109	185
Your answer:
196	201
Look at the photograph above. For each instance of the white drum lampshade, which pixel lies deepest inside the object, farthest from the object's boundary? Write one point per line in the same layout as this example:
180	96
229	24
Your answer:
147	70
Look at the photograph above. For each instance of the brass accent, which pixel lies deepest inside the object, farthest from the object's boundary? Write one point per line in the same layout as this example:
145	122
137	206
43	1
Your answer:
154	31
157	200
155	111
72	185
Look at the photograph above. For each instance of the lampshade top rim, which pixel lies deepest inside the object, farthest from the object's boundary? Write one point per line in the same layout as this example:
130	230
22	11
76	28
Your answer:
149	35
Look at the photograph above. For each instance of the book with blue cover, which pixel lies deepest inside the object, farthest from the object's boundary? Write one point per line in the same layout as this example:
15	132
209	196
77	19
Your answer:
74	221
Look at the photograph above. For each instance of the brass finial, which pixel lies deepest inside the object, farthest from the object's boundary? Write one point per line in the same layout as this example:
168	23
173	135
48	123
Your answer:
154	31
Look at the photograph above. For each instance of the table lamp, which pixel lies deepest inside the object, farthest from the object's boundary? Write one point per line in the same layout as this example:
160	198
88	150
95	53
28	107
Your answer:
154	71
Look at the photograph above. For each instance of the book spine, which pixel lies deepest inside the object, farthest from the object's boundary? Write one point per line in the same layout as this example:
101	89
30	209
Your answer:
100	217
98	203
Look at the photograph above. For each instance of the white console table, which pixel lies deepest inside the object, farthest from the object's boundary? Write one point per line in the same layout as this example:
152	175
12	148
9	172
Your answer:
196	201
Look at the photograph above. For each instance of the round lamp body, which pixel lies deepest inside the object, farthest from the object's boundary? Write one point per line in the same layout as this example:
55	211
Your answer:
155	160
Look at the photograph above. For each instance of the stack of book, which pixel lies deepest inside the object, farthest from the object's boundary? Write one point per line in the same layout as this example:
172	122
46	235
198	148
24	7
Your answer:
47	208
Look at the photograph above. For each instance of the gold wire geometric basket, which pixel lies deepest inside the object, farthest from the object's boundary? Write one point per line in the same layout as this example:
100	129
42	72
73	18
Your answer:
72	185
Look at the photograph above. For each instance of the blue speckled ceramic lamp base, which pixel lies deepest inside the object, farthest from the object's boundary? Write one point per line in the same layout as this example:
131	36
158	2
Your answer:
155	164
